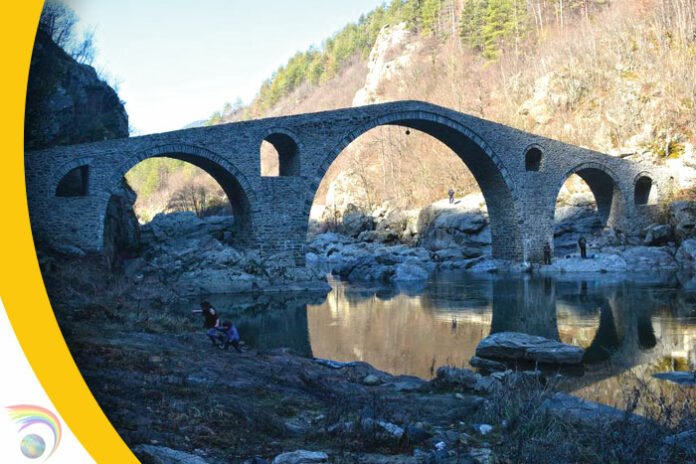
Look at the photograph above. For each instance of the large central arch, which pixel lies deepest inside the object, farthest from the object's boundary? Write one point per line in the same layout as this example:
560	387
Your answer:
231	180
484	164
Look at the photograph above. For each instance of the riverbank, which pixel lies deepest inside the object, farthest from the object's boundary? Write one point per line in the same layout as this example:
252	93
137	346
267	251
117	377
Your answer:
170	394
164	387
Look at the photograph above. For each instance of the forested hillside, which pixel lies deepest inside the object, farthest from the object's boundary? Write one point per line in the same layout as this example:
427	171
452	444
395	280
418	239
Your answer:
617	76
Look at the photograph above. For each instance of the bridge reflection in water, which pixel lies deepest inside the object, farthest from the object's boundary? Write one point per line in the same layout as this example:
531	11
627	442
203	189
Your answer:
629	328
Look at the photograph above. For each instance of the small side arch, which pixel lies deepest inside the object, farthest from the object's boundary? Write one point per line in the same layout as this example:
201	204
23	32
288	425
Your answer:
605	187
287	148
72	179
644	190
533	158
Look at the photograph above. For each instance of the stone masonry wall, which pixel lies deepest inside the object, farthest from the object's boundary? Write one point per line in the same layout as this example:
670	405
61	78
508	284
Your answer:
275	210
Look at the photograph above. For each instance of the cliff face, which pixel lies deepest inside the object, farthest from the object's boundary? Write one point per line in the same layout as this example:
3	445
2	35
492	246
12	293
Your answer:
67	103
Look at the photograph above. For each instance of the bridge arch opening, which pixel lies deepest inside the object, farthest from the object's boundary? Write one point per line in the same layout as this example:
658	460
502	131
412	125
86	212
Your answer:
405	147
532	159
644	193
588	202
279	155
75	183
177	179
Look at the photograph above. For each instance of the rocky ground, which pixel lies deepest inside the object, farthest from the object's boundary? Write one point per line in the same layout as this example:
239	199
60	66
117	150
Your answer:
175	398
194	256
405	246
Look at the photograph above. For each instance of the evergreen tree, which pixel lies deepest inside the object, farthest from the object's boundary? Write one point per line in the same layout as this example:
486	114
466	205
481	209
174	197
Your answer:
429	14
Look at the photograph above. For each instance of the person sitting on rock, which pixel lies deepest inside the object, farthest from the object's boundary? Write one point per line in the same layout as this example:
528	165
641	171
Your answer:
211	320
228	335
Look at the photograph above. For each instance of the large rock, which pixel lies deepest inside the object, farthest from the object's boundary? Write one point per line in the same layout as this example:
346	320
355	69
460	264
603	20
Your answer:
67	102
356	221
162	455
394	225
449	377
444	225
682	216
597	263
658	234
686	253
524	347
409	272
649	258
302	457
121	227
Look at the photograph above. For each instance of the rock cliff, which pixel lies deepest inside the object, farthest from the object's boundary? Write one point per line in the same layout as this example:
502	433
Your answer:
67	102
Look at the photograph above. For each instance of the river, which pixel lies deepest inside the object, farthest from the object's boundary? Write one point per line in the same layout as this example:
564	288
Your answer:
630	326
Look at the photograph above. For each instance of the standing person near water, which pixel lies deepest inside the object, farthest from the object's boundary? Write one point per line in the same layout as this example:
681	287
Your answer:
582	244
211	319
547	253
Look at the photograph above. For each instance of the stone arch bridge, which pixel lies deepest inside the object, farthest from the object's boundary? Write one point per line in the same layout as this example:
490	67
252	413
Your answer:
519	174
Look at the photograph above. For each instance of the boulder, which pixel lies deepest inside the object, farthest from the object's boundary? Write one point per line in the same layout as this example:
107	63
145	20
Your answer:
302	457
596	263
486	364
356	221
449	377
443	225
524	347
165	227
658	234
162	455
685	440
649	258
682	216
686	253
409	272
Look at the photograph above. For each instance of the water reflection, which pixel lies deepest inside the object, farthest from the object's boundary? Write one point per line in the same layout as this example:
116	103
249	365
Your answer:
627	326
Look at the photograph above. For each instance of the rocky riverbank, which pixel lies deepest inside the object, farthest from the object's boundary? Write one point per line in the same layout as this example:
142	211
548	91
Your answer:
173	397
194	256
399	247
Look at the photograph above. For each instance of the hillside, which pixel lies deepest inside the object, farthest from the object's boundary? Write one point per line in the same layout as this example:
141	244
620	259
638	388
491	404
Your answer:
615	76
67	102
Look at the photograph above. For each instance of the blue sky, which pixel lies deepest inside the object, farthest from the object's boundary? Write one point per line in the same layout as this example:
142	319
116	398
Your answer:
178	61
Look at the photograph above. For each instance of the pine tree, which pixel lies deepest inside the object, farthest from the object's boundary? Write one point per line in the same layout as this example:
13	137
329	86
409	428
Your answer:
429	14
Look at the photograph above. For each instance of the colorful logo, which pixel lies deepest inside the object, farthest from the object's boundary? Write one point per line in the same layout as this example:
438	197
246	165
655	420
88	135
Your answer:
34	423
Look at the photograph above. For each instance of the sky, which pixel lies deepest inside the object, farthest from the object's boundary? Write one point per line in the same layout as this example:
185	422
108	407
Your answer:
178	61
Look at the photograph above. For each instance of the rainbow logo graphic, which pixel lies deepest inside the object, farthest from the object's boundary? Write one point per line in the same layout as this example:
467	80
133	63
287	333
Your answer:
31	419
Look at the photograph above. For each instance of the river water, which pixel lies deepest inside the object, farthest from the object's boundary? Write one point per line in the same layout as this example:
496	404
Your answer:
630	326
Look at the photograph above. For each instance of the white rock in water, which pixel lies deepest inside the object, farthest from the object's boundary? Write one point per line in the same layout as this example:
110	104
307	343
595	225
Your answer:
520	346
302	457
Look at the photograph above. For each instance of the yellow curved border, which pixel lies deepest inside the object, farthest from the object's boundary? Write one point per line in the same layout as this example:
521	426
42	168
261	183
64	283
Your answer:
21	286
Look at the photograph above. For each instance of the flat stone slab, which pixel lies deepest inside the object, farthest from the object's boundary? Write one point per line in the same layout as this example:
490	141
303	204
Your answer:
680	377
524	347
584	411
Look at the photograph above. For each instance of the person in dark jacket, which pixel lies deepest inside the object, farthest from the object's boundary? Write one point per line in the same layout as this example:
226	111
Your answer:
547	253
582	244
211	320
